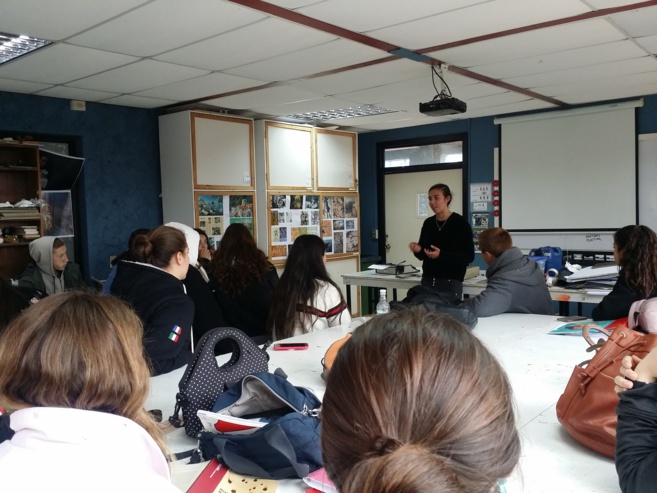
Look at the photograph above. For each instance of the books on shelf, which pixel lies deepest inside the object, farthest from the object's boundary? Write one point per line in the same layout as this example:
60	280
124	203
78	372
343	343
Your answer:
14	213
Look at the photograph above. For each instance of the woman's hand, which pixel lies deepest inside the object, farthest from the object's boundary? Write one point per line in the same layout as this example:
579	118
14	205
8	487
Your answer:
415	247
627	377
433	252
635	369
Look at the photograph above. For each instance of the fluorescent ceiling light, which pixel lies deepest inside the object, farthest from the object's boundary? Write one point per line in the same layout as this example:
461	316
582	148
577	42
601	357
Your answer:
319	116
14	45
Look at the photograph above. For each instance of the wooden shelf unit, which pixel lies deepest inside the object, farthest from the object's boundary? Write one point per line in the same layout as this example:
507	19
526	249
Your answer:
20	178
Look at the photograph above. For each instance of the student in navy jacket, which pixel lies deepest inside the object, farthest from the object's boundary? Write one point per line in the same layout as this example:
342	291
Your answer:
153	286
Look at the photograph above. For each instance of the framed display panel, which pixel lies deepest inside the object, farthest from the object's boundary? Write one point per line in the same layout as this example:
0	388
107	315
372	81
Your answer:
333	216
289	156
336	160
216	211
222	152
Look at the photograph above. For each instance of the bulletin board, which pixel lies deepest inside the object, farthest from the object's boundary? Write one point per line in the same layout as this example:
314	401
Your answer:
333	216
215	211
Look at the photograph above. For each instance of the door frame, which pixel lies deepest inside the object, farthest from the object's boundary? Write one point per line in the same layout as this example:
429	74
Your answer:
382	171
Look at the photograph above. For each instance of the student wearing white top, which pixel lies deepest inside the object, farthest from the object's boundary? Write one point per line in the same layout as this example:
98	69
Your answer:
72	369
306	298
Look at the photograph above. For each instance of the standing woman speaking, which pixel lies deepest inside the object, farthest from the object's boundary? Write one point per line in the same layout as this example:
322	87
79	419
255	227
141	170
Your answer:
445	246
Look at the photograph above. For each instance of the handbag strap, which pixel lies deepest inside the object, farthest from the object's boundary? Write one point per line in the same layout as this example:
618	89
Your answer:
585	334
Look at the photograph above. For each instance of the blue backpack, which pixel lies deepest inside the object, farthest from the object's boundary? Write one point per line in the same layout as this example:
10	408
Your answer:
288	446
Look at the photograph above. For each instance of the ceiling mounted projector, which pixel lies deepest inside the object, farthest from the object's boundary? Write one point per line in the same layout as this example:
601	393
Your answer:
443	106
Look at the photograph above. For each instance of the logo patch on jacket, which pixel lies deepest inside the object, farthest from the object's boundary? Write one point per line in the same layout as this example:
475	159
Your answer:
175	333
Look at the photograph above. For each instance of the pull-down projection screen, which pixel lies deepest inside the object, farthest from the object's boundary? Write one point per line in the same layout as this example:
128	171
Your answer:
571	170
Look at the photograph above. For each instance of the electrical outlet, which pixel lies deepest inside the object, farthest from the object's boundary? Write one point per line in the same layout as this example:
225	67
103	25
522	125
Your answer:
78	105
375	234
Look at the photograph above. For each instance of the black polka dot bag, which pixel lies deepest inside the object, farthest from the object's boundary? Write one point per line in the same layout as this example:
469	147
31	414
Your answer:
204	380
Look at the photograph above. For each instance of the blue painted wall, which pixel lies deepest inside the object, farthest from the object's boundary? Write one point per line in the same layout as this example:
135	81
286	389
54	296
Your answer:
483	137
120	183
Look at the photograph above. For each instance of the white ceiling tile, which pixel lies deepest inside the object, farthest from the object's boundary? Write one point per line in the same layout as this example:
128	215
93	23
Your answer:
637	23
57	20
64	92
137	102
609	93
329	56
173	18
24	87
587	73
368	15
518	107
486	18
579	57
311	105
409	121
608	4
62	63
364	120
259	41
137	77
264	97
649	43
294	4
532	43
569	89
366	77
199	87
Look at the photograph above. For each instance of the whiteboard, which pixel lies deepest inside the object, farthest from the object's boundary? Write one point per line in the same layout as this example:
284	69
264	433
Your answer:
289	156
336	160
569	170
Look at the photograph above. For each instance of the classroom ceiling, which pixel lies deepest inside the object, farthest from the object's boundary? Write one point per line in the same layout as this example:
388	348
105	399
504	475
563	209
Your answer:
285	57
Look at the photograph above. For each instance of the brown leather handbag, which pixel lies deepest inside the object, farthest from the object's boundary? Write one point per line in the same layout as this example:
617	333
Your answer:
587	408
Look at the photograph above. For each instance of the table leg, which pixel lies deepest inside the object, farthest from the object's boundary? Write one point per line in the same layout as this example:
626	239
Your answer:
349	297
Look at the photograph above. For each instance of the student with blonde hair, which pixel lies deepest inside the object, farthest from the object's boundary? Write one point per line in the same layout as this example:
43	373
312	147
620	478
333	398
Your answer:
415	403
72	368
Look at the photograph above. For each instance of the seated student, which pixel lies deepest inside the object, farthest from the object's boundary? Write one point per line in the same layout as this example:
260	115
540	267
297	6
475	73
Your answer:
306	298
73	371
205	251
516	284
51	272
636	437
207	312
635	253
243	281
153	286
414	402
125	255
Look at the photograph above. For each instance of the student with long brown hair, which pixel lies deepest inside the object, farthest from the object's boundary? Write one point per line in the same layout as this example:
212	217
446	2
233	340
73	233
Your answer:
415	403
152	284
243	281
635	253
72	369
306	298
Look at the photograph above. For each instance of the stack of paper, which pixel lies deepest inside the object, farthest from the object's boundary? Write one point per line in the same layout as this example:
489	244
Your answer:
599	274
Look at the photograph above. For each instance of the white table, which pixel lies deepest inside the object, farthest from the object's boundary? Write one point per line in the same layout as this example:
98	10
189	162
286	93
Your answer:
538	365
471	287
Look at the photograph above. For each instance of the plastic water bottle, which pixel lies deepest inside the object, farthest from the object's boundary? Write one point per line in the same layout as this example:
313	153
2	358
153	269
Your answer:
382	306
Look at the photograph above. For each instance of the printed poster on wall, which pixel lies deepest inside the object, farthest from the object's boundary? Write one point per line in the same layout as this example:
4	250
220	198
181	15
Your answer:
215	212
334	218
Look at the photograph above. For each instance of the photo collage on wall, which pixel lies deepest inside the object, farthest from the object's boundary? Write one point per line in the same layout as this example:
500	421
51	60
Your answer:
216	212
334	218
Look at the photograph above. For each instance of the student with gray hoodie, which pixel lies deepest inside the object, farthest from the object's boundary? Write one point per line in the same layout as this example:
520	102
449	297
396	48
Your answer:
516	284
51	272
